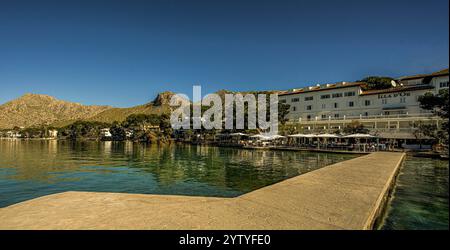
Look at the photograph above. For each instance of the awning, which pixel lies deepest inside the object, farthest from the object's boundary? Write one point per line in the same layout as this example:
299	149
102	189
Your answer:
328	136
238	134
297	136
267	138
359	136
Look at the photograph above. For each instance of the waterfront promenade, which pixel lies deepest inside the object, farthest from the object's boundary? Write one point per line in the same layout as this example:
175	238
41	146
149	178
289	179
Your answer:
346	195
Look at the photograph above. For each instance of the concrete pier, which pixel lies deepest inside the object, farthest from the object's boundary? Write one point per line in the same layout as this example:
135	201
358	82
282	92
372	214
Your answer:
346	195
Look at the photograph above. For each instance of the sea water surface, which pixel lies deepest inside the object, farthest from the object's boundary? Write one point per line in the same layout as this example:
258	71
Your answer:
420	198
30	169
33	168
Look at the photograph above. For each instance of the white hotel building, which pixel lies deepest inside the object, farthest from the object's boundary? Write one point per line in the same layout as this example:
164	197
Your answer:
391	113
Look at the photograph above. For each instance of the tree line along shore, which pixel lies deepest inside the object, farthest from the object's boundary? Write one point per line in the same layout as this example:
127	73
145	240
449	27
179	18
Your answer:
156	128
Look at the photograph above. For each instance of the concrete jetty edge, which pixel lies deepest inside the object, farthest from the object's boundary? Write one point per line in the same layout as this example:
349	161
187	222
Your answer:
346	195
380	206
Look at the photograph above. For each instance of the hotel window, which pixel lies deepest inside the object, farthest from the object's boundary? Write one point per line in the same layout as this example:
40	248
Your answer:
337	95
308	117
283	101
336	115
351	104
309	107
295	99
366	114
324	106
367	102
336	105
324	117
309	98
294	108
402	99
325	96
352	93
443	85
384	101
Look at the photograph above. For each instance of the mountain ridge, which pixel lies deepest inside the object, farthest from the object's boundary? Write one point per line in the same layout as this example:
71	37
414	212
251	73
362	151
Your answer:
32	109
44	110
38	109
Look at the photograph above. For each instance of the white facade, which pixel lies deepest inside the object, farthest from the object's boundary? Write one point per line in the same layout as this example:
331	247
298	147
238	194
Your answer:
348	100
13	134
129	133
439	80
53	133
105	132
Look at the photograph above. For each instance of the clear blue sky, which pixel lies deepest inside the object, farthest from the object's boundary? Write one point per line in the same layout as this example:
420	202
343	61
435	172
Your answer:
122	53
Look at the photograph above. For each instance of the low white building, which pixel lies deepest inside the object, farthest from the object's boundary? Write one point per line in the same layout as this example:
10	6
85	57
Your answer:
129	133
105	132
13	134
53	133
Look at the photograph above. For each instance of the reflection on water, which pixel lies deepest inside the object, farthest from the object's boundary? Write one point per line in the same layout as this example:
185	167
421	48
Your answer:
29	169
420	199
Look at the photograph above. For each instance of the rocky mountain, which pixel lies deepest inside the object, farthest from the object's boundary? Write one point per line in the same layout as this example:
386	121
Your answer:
120	114
163	98
33	110
161	104
158	106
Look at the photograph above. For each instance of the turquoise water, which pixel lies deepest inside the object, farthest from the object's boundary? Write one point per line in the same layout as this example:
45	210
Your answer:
420	198
29	169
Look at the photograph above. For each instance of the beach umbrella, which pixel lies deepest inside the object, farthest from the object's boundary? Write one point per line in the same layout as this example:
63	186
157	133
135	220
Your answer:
267	137
328	136
297	136
359	136
238	134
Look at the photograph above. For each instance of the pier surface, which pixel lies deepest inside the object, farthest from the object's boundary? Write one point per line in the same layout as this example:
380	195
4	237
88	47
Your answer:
346	195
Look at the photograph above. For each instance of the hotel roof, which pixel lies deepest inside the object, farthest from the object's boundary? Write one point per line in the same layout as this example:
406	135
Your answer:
397	89
323	87
443	72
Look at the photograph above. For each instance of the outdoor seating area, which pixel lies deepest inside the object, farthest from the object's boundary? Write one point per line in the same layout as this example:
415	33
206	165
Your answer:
351	142
331	142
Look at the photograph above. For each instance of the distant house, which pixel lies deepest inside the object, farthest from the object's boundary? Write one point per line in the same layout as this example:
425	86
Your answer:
154	128
53	133
13	134
129	133
105	132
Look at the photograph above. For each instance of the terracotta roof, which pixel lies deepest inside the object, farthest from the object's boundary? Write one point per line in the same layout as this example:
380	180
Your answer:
397	89
443	72
321	88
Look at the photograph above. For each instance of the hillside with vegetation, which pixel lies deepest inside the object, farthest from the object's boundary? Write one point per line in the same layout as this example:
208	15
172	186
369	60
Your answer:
158	106
120	114
32	110
37	110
